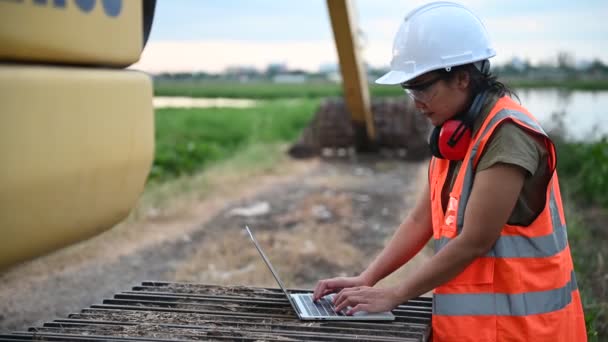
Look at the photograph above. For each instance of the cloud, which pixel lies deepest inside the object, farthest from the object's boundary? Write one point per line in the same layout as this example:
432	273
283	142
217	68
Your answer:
215	56
537	34
581	24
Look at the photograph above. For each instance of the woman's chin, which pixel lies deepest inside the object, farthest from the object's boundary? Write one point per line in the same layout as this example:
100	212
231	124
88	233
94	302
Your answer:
436	122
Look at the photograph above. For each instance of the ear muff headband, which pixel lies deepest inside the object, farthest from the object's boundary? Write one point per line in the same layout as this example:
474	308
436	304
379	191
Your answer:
433	142
475	108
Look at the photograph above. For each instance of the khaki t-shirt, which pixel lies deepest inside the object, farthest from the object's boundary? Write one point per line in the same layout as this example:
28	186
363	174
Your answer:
511	144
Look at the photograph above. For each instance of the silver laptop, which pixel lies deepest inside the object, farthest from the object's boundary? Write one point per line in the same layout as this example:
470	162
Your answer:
323	309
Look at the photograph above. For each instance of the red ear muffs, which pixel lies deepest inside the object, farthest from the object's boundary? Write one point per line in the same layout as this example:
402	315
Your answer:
453	140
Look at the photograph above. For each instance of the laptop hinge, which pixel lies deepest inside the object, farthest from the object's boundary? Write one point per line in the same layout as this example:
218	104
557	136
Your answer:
292	300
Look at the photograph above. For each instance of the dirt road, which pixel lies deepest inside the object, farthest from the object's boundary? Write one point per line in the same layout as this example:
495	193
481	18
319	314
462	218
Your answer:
314	218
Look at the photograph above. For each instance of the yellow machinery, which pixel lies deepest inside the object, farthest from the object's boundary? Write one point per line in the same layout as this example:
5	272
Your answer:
76	130
354	77
355	121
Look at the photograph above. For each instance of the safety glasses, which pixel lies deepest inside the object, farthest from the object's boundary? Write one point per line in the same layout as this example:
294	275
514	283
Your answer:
423	91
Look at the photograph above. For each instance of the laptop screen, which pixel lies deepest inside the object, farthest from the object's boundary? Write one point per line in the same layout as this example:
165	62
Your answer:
274	273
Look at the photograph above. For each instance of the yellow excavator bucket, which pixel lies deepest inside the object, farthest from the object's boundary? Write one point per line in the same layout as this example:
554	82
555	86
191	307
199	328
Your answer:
76	132
76	146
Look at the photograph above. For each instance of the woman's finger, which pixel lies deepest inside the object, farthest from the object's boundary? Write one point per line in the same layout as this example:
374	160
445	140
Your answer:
323	287
357	308
351	300
342	295
320	288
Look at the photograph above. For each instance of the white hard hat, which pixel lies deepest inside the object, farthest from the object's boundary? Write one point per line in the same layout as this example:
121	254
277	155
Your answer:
435	36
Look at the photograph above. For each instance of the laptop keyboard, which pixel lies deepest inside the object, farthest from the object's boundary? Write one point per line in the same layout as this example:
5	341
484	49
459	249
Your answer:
323	307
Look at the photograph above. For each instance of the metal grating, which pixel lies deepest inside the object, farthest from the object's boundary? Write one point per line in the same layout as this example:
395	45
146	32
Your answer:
163	311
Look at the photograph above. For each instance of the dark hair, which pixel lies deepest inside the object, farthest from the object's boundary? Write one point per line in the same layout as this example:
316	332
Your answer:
480	81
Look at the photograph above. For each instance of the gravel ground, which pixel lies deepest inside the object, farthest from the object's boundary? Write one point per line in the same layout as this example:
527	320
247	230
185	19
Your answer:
319	219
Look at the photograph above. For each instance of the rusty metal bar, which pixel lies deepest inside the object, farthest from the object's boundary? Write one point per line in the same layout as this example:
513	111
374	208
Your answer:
234	331
95	313
161	311
359	329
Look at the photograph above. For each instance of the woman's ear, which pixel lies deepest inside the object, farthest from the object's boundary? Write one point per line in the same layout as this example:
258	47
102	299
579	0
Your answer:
463	79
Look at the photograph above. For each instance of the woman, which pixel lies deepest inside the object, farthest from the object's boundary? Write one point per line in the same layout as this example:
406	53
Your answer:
502	270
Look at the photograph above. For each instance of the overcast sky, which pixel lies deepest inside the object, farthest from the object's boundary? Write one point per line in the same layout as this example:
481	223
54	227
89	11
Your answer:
210	35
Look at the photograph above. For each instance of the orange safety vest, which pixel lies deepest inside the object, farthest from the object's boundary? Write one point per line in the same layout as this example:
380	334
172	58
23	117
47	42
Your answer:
524	288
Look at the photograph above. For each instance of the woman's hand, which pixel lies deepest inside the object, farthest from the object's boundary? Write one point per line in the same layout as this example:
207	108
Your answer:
333	285
368	299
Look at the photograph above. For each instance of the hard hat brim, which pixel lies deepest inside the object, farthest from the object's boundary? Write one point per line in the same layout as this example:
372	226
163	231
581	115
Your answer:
394	77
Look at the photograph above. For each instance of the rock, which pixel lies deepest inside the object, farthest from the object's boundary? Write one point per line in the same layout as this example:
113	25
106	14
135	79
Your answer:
320	212
257	209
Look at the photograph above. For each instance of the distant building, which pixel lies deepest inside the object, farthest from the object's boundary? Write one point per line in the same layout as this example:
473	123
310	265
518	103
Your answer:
331	72
583	64
239	70
290	78
334	76
241	73
276	68
518	64
327	68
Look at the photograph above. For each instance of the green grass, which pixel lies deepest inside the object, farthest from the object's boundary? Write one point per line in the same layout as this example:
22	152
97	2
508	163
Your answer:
585	166
261	90
245	163
582	168
588	254
257	90
267	90
189	139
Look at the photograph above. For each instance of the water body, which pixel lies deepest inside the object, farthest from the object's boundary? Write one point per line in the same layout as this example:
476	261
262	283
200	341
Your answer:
190	102
583	115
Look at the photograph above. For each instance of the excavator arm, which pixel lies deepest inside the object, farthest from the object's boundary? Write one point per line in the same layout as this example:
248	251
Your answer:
356	122
354	77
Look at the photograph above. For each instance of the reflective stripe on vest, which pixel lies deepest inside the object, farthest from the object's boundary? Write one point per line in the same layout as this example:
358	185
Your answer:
501	304
515	246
